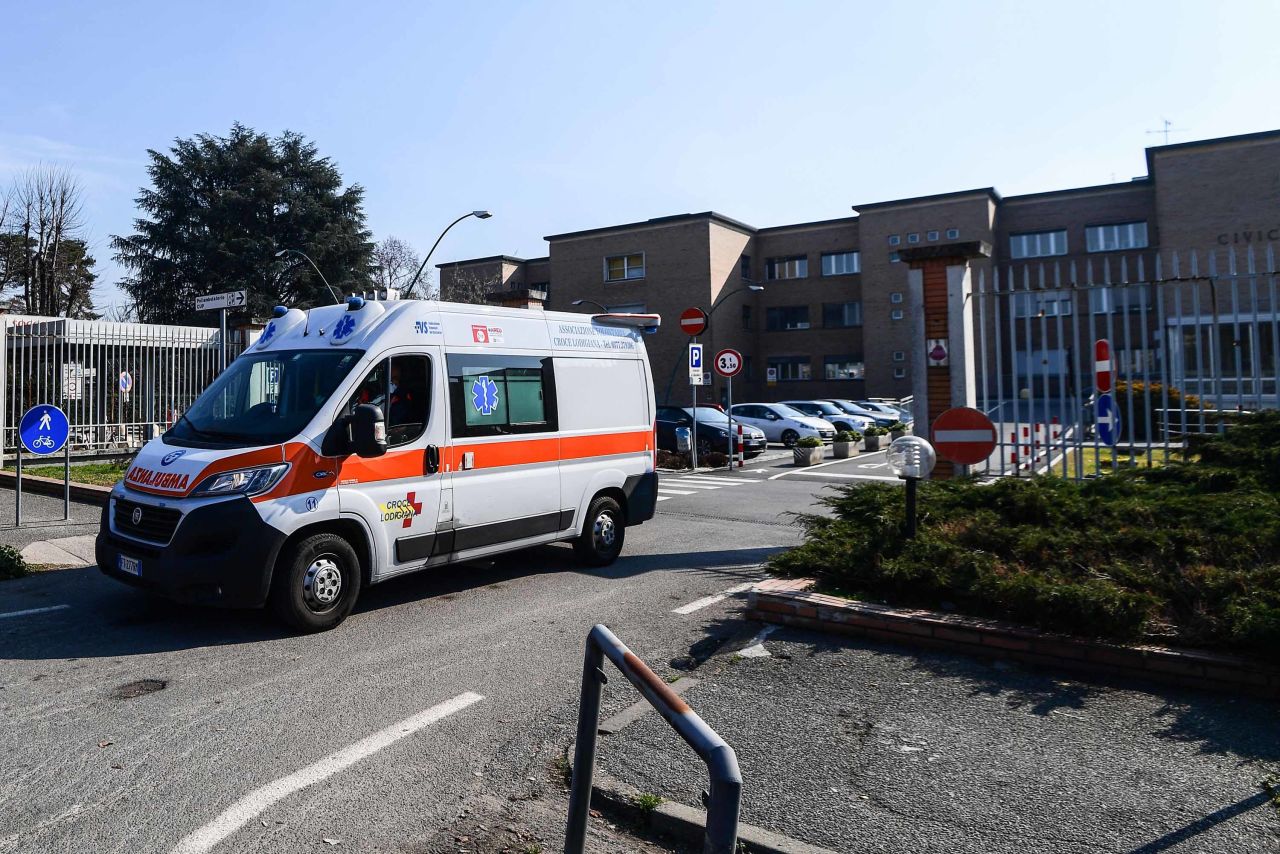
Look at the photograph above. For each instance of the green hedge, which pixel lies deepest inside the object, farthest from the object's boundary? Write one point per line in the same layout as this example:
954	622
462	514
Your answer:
1187	554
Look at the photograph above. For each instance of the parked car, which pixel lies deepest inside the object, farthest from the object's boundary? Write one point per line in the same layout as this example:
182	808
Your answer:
828	411
712	433
852	408
888	408
782	423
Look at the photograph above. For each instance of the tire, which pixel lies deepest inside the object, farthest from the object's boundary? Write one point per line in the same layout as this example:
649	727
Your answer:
316	583
602	535
789	438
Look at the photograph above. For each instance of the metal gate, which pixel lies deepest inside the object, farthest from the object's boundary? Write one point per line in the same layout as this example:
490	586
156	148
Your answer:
1194	341
119	383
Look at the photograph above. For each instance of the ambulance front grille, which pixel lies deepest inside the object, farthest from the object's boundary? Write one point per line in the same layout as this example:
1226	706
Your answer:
155	524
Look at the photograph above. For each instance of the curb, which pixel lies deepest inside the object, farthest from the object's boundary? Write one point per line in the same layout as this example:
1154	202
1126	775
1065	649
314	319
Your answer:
86	492
791	602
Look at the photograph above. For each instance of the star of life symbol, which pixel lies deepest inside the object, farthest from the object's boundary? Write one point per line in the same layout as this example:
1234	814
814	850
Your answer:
268	333
484	395
345	327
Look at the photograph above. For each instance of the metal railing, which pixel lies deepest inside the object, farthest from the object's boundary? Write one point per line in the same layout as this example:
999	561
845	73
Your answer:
725	792
1192	335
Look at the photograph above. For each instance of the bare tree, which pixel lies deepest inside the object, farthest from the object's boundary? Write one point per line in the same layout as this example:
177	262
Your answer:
395	263
469	286
43	254
121	312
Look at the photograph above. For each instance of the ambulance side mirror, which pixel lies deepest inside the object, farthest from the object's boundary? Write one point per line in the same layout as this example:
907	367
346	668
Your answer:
368	431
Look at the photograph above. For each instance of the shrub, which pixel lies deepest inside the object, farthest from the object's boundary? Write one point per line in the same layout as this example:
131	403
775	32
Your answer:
12	564
1186	553
848	436
1146	398
669	460
809	442
897	426
715	459
877	430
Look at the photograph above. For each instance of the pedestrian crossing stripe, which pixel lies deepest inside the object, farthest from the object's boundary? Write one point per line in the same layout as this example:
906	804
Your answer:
675	491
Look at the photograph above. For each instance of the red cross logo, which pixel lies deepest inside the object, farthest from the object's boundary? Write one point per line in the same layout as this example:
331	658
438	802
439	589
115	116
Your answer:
417	508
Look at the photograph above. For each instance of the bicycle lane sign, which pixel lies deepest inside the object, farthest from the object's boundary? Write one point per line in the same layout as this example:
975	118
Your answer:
44	429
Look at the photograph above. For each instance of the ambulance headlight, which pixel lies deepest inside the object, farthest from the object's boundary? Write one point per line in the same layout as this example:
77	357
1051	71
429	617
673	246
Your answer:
242	482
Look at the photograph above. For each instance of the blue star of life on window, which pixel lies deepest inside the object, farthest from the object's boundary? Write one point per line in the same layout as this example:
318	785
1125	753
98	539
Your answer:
484	395
345	327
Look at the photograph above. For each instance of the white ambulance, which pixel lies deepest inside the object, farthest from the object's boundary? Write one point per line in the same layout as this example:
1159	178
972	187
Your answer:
354	443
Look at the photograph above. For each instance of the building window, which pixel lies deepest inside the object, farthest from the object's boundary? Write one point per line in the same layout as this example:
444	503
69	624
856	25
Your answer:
619	268
1047	304
793	267
899	355
1117	300
932	235
896	314
1038	244
899	373
748	370
896	297
914	237
841	264
894	258
791	368
744	266
841	315
895	239
627	308
785	317
953	233
746	317
843	368
1123	235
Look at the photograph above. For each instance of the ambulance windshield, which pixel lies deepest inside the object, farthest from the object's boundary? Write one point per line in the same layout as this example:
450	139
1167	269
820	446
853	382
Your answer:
263	398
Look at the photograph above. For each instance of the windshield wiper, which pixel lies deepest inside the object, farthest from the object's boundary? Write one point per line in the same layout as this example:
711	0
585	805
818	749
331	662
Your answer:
213	434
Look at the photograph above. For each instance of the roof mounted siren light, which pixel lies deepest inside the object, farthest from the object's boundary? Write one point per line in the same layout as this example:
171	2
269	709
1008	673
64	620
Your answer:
646	323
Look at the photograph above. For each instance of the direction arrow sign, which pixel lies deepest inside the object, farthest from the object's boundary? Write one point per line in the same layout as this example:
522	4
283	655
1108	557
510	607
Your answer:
964	436
1107	416
728	362
231	299
1102	365
693	321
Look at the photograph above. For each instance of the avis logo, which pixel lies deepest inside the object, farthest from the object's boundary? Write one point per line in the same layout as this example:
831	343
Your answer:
345	327
484	395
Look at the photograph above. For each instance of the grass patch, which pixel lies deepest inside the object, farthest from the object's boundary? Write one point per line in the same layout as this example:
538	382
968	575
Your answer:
97	474
1185	553
12	563
647	803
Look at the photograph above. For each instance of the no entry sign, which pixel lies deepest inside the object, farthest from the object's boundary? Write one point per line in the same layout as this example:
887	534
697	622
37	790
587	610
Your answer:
693	321
964	436
1102	365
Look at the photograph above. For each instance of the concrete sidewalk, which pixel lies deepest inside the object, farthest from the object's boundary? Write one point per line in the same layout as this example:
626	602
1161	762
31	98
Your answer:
865	747
63	551
42	522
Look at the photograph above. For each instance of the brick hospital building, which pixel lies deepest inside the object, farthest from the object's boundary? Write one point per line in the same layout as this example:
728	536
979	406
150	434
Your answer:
831	320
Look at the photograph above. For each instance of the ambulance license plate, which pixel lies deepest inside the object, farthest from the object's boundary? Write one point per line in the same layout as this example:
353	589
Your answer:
131	565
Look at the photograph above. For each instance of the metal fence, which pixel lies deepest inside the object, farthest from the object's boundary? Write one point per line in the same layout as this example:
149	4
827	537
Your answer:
120	384
1194	340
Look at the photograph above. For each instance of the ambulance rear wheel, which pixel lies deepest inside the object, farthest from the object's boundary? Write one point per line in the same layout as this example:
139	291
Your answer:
600	542
316	583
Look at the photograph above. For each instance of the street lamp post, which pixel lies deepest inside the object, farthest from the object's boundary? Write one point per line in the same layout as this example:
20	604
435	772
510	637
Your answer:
416	276
337	297
604	308
911	458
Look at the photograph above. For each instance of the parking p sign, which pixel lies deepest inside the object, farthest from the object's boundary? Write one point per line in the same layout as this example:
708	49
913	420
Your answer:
695	364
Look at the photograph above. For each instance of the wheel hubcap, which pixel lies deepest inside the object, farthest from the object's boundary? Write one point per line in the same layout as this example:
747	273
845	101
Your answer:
605	531
322	584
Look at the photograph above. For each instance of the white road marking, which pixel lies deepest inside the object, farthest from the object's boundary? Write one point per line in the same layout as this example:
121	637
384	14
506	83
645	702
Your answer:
850	476
711	600
664	497
253	804
755	647
71	812
806	468
715	481
695	485
33	611
662	489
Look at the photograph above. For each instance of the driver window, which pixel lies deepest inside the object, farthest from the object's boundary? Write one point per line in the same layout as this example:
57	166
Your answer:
401	388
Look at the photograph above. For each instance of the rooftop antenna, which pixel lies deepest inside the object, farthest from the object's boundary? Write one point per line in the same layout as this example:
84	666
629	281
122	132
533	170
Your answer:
1168	129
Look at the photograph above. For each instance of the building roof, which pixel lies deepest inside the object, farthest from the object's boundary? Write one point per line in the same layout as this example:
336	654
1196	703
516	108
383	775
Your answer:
675	219
488	259
1136	183
989	192
1260	136
818	223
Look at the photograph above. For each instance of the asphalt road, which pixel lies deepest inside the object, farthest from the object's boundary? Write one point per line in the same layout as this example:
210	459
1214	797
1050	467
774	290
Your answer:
253	721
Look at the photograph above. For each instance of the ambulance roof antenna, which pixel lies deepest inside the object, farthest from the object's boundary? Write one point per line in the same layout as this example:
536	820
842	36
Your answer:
1168	129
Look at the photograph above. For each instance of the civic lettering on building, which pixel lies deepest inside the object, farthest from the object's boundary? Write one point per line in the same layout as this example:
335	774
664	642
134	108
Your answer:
157	479
1258	235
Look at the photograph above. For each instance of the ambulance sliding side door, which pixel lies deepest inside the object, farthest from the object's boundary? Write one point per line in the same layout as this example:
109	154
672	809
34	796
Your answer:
400	493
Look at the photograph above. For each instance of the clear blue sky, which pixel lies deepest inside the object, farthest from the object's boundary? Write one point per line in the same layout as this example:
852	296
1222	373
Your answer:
575	115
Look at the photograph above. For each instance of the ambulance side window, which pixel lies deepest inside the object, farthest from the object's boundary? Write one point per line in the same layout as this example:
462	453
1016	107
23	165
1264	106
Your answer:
401	387
501	395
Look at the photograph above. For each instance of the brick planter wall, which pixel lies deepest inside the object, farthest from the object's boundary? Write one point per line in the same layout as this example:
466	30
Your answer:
791	602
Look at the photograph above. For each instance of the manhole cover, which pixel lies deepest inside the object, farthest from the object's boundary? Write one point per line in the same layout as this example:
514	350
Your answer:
136	689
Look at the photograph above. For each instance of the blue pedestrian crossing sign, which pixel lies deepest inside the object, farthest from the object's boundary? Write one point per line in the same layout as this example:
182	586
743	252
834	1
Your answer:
44	429
1107	418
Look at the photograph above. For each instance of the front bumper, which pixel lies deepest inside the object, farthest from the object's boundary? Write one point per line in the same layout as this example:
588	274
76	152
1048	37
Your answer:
220	554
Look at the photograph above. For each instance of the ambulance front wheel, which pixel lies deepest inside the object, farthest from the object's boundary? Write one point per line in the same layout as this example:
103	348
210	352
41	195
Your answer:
316	583
600	542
